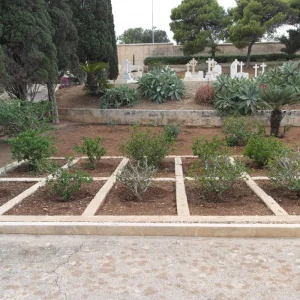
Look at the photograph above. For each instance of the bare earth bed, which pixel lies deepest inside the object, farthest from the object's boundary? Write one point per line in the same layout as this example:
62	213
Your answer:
159	200
42	203
166	169
9	190
104	167
187	165
238	201
288	200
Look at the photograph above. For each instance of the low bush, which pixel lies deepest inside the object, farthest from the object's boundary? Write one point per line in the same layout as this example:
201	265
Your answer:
161	85
17	116
263	149
33	148
219	175
172	132
137	177
183	60
65	184
92	148
284	171
205	94
238	130
147	145
119	97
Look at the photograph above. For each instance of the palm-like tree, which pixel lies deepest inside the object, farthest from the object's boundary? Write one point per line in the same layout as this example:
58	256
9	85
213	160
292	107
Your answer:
275	98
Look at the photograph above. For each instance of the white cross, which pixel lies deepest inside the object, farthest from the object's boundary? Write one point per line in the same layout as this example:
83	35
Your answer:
242	64
256	67
193	63
127	63
263	67
236	61
209	64
188	67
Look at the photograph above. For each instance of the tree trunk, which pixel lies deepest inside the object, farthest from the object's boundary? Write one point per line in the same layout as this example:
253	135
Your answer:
52	100
249	53
276	118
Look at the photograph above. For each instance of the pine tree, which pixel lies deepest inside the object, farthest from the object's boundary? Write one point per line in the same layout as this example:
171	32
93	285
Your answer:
30	55
95	25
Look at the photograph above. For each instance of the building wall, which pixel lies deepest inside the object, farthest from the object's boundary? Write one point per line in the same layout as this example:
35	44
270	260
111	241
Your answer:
141	51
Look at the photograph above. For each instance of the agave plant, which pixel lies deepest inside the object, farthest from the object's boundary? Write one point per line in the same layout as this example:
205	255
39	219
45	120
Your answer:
275	98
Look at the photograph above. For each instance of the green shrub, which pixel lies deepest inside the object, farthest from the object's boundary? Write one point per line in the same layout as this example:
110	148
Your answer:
17	116
237	96
161	85
219	175
284	171
183	60
118	97
92	148
238	130
205	94
65	184
137	176
172	132
33	148
262	149
146	145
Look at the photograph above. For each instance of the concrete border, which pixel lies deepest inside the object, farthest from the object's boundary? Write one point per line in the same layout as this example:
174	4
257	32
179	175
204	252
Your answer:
10	167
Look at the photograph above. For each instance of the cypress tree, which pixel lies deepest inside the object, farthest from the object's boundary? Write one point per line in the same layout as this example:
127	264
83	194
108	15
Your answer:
95	25
27	44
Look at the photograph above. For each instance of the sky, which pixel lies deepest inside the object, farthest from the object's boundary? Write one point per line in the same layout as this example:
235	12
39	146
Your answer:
138	13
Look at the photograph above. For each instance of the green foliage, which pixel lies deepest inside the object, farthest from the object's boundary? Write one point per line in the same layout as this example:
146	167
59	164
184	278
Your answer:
238	130
141	36
32	147
161	85
137	176
219	175
27	44
65	184
147	145
223	59
172	132
18	116
94	22
263	149
92	148
118	97
237	96
292	42
284	171
252	19
197	24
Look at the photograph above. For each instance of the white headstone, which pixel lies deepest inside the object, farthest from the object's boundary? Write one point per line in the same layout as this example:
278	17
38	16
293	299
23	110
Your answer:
263	68
200	74
218	69
234	68
241	64
256	67
193	63
188	74
209	64
127	71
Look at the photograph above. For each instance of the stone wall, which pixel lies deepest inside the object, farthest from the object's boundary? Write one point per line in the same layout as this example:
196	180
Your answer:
141	51
203	118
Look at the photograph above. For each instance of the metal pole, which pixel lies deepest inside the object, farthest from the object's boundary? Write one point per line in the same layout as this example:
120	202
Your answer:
152	22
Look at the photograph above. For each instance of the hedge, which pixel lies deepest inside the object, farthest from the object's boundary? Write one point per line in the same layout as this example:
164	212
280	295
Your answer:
183	60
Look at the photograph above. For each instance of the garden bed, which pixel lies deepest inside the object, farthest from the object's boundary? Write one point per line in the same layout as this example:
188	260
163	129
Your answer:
238	201
42	203
159	200
9	190
187	165
288	200
166	169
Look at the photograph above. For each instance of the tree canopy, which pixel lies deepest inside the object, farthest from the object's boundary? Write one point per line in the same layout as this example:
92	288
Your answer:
94	22
198	24
141	36
30	54
253	19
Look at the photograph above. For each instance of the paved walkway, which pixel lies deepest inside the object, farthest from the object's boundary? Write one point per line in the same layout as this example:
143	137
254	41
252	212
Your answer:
85	268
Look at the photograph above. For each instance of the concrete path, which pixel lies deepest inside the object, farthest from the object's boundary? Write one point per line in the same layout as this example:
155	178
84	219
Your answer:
85	268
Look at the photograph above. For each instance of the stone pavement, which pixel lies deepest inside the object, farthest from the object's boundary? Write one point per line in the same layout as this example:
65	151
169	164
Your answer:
88	267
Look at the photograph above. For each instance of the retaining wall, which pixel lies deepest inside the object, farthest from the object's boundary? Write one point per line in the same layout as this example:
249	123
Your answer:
203	118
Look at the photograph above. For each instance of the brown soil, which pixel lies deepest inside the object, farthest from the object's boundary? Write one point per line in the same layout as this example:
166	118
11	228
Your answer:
252	167
187	164
42	203
104	167
166	169
23	171
9	190
160	199
239	201
289	200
